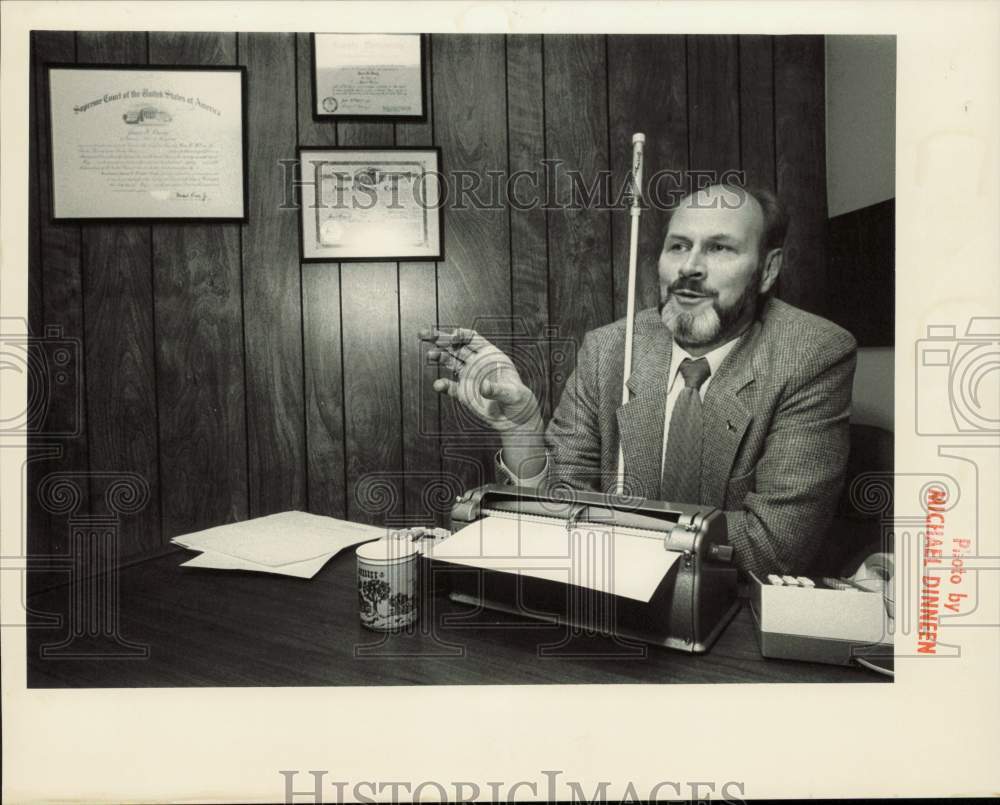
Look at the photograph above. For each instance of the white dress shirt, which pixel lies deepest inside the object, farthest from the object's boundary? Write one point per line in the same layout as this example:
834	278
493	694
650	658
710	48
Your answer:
677	355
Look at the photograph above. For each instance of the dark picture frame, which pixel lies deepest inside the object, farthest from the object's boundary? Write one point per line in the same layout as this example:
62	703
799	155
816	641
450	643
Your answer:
376	215
325	107
140	111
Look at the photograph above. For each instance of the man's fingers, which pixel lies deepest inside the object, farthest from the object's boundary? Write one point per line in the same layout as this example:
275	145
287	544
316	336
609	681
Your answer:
442	338
460	338
445	359
465	353
464	337
504	392
444	386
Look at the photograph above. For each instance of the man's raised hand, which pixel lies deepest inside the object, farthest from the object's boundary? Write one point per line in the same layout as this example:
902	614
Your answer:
484	379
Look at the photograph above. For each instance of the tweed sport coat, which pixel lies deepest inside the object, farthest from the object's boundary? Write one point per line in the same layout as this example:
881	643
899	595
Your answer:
775	420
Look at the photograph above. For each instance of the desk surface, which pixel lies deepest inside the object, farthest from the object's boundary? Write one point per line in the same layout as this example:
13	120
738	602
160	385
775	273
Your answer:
219	628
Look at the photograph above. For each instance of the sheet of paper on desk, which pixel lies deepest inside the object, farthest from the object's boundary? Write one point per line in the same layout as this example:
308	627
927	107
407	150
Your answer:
590	556
219	561
277	542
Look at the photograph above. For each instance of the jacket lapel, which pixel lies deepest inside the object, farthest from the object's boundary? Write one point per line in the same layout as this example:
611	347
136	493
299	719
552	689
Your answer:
640	421
726	417
725	413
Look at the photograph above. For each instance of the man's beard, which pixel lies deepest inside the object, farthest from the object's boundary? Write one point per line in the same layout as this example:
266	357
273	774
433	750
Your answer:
696	328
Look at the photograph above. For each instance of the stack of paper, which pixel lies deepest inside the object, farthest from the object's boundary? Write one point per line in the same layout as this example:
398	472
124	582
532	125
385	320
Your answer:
290	543
625	562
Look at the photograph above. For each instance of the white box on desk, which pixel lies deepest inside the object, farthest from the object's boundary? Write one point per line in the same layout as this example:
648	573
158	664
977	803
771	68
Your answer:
819	624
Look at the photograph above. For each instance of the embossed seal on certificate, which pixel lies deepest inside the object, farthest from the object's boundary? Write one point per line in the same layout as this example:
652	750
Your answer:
331	232
330	104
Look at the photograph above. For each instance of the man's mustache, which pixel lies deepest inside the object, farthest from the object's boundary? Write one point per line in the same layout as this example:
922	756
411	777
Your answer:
691	285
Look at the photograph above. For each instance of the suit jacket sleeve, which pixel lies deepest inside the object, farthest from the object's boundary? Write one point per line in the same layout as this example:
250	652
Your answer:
798	478
573	436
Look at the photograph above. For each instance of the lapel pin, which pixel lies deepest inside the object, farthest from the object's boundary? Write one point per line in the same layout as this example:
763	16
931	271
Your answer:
729	425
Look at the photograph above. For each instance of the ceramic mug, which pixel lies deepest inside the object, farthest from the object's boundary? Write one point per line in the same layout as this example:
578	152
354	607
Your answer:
387	584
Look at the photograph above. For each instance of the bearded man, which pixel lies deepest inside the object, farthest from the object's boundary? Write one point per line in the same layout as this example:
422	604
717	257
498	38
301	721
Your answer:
739	401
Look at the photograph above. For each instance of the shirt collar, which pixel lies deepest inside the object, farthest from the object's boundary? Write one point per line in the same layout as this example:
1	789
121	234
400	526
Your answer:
714	358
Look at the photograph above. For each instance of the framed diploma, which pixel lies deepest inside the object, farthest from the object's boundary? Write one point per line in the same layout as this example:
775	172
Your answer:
371	204
134	142
368	75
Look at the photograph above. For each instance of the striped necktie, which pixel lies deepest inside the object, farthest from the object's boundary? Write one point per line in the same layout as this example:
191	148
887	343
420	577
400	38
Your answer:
681	479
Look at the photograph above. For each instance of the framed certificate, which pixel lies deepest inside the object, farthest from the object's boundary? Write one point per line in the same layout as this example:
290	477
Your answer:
134	142
368	75
371	204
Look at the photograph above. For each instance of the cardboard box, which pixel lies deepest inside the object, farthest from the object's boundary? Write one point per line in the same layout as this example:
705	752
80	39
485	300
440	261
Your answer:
819	624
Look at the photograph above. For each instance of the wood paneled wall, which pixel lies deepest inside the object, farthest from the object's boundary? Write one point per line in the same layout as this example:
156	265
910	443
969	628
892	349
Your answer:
239	382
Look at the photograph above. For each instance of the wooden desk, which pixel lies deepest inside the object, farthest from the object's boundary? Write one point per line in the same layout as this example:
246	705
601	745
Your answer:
216	628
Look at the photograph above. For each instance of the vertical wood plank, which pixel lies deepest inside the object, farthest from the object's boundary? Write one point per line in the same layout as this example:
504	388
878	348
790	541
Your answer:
529	258
714	107
58	281
470	123
324	388
424	491
199	340
757	110
311	131
799	98
119	336
421	461
576	119
373	441
647	76
272	284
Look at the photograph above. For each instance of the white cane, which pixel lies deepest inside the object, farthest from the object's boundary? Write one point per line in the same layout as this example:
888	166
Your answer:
638	140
